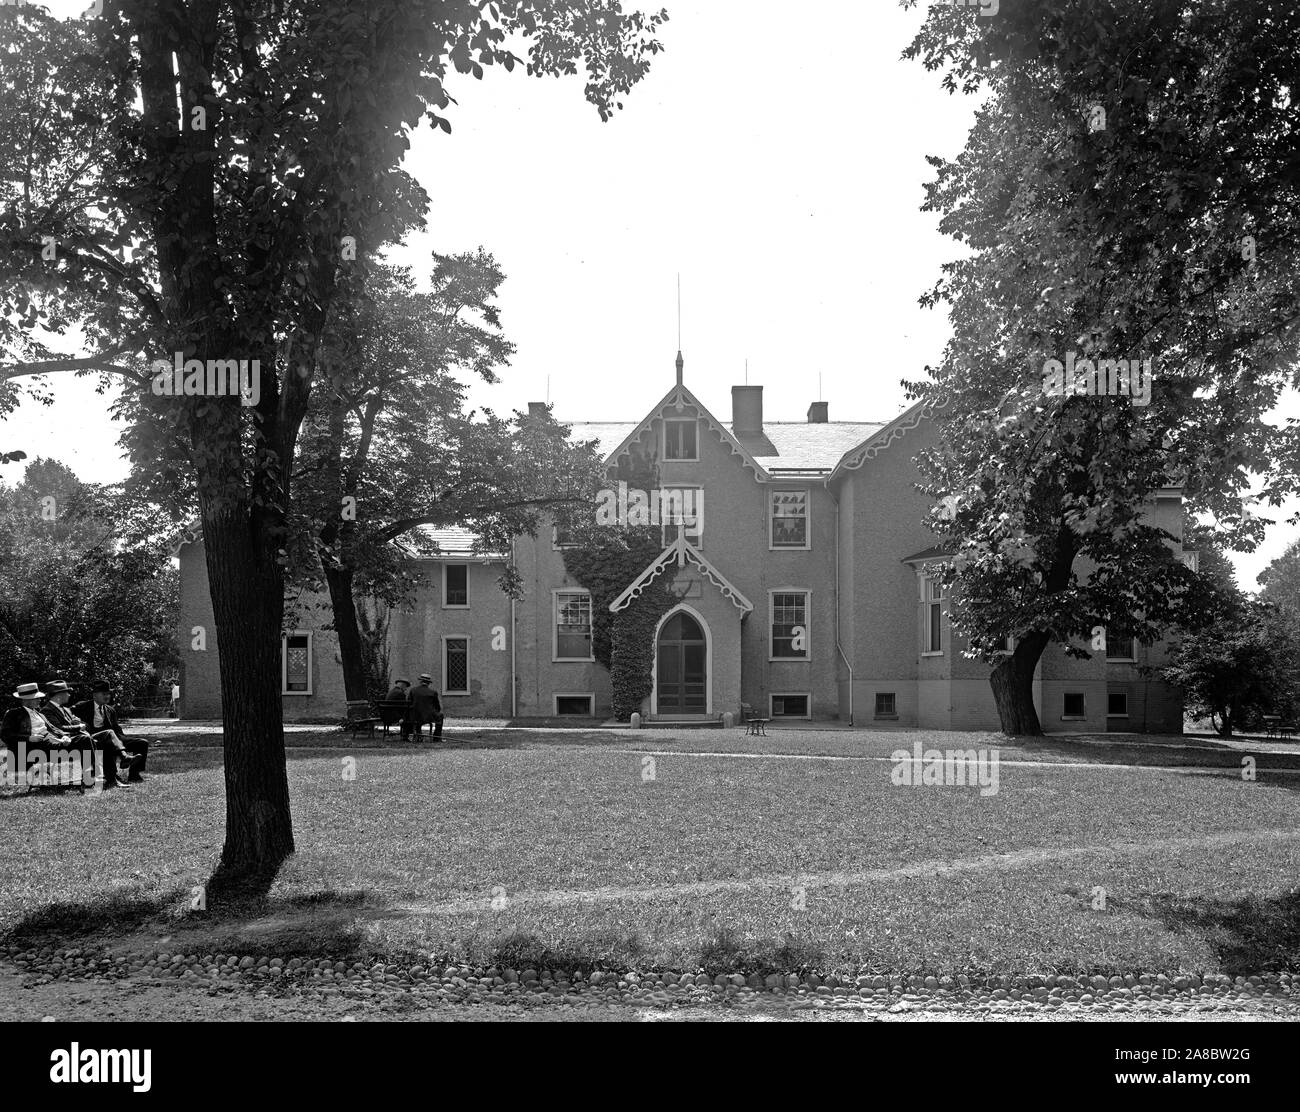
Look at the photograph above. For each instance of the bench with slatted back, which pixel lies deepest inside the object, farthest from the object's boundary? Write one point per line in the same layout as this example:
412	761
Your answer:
754	723
384	713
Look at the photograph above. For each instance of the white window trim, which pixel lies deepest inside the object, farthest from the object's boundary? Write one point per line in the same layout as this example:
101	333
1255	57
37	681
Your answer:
446	687
1011	651
558	695
556	592
311	661
555	544
771	519
772	658
697	537
772	697
664	440
460	605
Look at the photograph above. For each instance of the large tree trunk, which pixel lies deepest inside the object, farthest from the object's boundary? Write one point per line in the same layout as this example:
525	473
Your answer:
343	603
1013	687
247	588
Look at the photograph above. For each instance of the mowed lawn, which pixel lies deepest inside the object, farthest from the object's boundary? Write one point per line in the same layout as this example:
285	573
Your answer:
571	855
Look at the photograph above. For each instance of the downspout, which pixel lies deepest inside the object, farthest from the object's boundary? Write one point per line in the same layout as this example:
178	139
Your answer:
514	681
838	647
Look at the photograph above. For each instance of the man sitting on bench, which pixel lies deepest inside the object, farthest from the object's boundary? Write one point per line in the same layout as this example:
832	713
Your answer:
25	730
118	762
98	715
425	707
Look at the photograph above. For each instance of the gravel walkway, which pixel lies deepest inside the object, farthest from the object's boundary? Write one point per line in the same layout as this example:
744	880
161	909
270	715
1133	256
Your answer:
73	984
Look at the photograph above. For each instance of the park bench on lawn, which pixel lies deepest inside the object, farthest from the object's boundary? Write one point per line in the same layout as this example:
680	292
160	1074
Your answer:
754	724
63	767
385	712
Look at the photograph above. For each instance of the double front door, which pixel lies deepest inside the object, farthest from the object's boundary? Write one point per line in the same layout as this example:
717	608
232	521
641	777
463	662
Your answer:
682	672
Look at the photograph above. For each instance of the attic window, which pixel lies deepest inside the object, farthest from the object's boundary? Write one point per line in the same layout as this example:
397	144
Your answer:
680	440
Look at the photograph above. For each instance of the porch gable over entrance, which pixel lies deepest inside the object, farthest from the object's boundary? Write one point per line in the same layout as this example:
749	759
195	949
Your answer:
681	552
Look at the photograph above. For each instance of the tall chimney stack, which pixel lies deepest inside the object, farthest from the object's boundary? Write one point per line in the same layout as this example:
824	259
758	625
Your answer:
536	409
747	410
818	413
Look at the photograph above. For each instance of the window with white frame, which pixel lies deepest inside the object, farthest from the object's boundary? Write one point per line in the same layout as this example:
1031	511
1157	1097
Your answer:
933	614
790	625
455	586
681	440
572	625
574	705
681	510
295	663
562	537
788	512
791	706
455	665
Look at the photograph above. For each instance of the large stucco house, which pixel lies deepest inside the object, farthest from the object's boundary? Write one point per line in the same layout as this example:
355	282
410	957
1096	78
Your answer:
803	592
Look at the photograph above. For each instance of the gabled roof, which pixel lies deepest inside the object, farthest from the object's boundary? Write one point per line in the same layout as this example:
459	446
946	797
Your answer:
873	445
799	446
453	544
678	398
683	552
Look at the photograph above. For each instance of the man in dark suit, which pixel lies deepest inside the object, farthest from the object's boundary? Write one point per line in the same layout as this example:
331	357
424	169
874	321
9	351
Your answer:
399	693
98	715
118	763
425	707
25	730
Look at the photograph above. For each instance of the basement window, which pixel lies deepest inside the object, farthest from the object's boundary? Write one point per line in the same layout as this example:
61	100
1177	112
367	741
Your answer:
1072	705
886	704
791	706
578	706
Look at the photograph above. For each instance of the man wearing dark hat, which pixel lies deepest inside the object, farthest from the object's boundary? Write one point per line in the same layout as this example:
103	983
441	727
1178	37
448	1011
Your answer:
117	762
399	692
425	707
98	715
26	727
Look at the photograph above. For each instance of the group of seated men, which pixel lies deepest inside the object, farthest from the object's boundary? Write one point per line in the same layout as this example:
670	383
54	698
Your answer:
44	723
422	705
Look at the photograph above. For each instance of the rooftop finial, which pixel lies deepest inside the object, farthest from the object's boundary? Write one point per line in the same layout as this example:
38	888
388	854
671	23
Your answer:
680	361
680	364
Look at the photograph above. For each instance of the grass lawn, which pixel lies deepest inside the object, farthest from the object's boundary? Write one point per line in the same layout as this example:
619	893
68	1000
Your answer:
521	848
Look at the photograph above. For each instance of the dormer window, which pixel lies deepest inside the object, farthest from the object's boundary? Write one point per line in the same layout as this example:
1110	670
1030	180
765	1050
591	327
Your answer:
681	440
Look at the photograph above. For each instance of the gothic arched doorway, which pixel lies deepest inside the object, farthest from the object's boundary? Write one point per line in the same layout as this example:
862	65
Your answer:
681	673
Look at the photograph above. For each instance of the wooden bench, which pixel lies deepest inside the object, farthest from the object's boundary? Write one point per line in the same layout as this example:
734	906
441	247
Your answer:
383	713
754	724
67	764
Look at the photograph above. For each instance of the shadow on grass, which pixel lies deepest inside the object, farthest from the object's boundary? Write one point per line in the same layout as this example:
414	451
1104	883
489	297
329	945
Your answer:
1250	935
1179	752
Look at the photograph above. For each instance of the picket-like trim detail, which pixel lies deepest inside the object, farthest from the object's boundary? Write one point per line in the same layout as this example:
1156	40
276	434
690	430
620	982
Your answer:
854	458
678	398
682	552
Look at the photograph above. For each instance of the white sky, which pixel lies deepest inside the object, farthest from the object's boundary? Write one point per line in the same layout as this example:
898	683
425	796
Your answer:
775	162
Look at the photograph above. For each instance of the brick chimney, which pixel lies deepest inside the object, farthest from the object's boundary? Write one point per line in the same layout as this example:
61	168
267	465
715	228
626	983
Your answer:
818	413
747	410
536	409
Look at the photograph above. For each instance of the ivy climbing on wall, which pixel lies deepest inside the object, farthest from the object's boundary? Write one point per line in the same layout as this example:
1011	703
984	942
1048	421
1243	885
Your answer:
605	560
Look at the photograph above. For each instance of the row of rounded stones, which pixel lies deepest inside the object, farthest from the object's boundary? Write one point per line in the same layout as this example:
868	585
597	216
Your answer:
1049	989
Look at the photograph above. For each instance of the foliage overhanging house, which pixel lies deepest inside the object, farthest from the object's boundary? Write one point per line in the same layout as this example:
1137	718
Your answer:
802	590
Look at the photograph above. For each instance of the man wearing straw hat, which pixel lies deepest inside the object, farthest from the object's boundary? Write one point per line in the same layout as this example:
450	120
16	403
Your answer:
26	729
